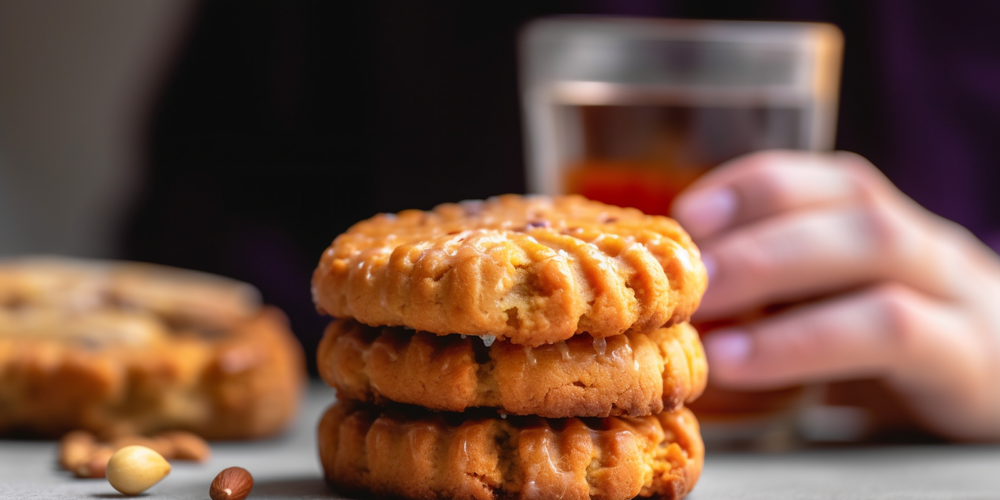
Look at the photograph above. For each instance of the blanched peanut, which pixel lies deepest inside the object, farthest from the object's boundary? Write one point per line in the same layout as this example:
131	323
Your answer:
135	469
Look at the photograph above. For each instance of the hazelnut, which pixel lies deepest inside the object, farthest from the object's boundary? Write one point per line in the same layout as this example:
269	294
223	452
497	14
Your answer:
233	483
134	469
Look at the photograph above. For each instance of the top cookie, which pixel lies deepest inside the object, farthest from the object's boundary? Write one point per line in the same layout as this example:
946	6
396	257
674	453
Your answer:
530	269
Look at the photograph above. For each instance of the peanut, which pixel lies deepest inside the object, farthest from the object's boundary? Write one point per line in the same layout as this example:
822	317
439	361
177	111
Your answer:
187	446
75	449
135	469
96	466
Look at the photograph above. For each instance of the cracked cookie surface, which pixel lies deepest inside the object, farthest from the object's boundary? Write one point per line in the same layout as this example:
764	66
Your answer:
419	455
529	269
634	374
124	348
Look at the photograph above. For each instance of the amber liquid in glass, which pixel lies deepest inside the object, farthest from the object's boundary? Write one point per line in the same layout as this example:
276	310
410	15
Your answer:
643	156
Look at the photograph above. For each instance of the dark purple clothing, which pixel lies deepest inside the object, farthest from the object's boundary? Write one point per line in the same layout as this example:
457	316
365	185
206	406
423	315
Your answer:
939	90
284	122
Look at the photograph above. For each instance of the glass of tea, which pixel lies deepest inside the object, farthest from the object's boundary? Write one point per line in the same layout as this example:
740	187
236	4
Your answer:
631	111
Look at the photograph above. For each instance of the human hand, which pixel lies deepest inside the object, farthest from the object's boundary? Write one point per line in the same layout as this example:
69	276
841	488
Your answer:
880	287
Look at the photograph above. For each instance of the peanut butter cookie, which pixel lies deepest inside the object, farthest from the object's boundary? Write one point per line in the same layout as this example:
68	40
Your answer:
531	270
124	348
423	456
635	374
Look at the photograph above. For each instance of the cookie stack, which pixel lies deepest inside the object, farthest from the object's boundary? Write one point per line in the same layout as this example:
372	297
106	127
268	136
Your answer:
526	347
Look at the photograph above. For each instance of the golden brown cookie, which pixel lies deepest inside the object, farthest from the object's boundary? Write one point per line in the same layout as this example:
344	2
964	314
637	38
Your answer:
124	348
635	374
533	270
424	456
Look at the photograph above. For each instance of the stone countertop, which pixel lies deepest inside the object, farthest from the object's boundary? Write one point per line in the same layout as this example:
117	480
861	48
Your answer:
288	467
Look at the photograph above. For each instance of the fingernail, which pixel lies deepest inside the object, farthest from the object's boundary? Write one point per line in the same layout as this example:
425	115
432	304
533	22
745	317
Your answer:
728	347
710	267
703	214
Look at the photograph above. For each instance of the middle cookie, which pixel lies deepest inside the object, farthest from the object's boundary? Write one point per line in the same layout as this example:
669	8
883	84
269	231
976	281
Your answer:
634	374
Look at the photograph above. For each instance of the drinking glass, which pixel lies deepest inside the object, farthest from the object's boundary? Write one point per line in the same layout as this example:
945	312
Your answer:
631	111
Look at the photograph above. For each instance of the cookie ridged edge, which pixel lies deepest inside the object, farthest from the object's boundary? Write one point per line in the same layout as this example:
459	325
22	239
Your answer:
635	374
365	450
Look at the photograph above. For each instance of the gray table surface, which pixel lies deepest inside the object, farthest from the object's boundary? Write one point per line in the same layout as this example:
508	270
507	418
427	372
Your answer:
288	467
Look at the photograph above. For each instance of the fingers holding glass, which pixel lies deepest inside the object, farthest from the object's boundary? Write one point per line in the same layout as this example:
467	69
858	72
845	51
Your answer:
763	184
922	347
803	255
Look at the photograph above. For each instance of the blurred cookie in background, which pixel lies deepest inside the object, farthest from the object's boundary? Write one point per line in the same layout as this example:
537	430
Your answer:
128	348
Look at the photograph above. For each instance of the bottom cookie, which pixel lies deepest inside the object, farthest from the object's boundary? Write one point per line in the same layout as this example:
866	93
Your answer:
411	453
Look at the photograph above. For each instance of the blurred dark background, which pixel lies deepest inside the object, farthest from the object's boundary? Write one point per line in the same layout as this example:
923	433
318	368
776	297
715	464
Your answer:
276	125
